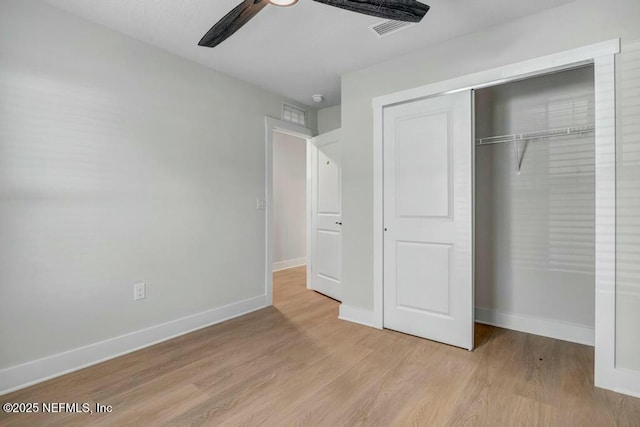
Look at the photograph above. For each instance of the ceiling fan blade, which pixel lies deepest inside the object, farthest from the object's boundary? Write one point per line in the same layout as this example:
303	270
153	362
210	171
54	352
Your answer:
397	10
232	22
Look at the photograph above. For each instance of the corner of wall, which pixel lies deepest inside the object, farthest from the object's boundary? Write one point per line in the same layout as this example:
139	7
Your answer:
329	119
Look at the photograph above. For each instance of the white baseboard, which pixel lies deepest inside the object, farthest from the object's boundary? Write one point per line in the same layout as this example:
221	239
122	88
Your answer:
533	325
283	265
356	315
21	376
626	382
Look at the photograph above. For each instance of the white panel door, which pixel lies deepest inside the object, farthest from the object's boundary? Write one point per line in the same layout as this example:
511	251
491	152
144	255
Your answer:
326	214
428	218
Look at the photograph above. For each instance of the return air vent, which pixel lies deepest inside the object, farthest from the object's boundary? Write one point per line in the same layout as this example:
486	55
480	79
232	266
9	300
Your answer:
294	114
386	28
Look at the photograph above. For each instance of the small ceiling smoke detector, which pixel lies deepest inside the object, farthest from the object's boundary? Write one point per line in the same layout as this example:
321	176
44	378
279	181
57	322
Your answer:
317	98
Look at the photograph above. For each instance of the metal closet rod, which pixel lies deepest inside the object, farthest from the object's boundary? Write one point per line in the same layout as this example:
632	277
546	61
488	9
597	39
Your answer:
572	130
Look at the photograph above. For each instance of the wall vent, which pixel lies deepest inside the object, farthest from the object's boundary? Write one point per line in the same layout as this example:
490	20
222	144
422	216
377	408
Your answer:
294	114
386	28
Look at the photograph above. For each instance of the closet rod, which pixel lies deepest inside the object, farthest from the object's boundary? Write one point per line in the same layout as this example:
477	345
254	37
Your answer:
573	130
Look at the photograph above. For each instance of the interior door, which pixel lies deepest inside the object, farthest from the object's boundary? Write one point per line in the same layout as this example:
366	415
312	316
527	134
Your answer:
428	218
326	214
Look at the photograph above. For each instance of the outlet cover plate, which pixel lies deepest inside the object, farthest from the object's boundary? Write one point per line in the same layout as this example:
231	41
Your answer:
139	291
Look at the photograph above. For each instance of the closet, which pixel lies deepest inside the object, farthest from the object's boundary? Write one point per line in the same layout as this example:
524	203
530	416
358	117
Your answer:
488	210
494	201
535	205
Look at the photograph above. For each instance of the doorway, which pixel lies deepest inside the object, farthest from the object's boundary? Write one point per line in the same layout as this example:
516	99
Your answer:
289	201
322	219
601	58
535	205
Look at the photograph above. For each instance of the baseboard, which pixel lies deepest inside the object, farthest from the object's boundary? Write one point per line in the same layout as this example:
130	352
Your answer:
27	374
283	265
533	325
356	315
626	382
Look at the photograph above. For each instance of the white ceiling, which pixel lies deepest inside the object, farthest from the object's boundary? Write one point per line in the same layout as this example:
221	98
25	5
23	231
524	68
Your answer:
295	51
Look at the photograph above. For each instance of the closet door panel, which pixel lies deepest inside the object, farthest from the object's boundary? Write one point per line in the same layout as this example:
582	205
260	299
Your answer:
424	275
422	182
428	206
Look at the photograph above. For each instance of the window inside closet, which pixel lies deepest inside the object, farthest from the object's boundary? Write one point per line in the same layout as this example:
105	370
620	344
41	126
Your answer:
535	205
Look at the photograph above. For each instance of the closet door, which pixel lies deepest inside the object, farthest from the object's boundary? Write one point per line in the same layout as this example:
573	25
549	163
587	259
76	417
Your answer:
428	218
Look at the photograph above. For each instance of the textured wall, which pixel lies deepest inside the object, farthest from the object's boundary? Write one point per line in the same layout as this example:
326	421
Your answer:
119	164
576	24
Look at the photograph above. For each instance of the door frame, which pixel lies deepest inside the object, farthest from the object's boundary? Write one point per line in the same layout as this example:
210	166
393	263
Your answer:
602	57
272	125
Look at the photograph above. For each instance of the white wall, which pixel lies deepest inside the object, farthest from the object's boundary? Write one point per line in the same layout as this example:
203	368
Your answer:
329	119
628	210
289	200
535	231
119	163
576	24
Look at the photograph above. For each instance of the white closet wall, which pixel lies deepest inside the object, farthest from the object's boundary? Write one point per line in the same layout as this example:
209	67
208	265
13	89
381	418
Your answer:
535	244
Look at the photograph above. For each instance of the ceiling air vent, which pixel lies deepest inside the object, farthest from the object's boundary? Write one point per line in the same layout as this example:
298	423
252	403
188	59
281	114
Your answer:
386	28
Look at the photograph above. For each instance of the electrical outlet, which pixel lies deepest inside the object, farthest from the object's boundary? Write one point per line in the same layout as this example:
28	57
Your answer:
139	291
261	204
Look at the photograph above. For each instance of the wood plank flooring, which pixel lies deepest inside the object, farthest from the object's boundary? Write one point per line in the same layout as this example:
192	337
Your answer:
297	364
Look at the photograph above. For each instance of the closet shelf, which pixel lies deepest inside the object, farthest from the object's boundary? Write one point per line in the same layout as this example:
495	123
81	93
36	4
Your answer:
573	130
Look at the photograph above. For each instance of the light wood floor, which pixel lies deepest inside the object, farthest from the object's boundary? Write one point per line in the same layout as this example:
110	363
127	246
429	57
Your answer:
296	363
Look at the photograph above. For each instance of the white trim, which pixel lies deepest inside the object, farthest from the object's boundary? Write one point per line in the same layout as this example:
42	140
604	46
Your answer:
554	62
378	218
602	55
537	326
271	125
310	160
605	234
626	382
290	263
356	315
327	137
618	379
27	374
